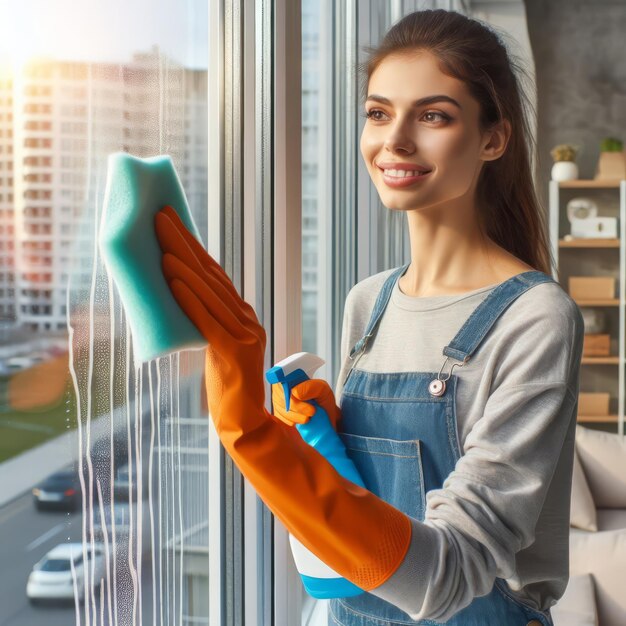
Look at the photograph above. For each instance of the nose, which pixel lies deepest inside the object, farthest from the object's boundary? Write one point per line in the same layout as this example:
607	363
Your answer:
399	138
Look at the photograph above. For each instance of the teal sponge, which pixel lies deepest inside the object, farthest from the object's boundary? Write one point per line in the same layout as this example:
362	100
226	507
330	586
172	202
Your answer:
136	190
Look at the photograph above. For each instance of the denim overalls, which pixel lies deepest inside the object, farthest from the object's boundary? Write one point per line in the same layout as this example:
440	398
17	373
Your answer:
400	429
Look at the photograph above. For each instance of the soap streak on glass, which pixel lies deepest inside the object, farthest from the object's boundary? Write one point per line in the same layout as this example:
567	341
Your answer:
143	578
141	432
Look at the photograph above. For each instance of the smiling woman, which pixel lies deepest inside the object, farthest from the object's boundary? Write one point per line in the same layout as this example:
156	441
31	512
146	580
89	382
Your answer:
474	459
429	161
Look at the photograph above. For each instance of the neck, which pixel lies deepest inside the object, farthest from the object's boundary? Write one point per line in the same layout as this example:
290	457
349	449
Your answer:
450	255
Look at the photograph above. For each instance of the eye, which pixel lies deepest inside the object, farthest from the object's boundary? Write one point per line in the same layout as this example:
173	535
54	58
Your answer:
372	112
369	114
443	116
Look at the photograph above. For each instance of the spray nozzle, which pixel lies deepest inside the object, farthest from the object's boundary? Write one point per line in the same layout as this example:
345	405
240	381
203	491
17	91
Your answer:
293	370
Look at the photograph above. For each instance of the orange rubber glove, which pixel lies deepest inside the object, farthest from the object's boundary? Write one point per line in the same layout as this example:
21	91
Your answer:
360	536
301	411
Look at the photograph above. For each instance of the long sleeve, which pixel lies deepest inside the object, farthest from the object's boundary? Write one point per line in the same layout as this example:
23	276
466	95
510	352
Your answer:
488	508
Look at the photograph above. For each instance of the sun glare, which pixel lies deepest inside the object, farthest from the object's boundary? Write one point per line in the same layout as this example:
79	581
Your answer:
13	50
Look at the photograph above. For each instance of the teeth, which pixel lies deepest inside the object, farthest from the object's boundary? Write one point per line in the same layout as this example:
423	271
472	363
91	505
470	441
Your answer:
403	173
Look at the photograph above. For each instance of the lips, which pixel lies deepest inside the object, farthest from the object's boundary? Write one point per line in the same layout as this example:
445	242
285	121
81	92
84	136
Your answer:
398	182
412	167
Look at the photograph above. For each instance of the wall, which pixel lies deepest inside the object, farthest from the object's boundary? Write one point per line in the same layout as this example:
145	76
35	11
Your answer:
581	78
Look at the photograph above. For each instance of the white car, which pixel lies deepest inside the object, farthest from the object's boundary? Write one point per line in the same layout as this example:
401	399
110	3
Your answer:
52	578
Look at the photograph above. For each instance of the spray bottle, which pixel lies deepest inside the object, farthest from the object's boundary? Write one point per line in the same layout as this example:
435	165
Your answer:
319	580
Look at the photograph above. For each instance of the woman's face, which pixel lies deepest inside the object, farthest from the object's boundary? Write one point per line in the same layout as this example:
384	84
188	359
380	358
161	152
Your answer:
440	136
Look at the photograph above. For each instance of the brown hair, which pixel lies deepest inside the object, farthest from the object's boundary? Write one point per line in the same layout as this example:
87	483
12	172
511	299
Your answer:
468	49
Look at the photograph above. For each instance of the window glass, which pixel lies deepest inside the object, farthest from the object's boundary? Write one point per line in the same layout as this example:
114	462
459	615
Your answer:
56	565
79	82
310	199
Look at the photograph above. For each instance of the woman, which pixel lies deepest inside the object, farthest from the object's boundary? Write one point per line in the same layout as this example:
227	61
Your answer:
466	516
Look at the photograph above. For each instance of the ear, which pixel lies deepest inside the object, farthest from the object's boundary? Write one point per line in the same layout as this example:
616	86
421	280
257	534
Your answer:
497	139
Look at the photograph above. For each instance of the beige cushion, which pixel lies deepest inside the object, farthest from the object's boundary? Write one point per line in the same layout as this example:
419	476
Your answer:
603	459
603	554
611	519
577	607
583	509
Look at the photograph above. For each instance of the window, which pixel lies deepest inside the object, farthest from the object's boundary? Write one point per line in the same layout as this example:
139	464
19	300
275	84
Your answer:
152	417
214	107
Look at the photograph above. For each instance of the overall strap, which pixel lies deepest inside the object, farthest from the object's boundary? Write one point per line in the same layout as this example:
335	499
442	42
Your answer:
478	324
379	309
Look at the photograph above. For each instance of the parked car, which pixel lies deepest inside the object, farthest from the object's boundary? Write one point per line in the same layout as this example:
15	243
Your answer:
52	577
122	482
60	490
18	363
115	514
118	515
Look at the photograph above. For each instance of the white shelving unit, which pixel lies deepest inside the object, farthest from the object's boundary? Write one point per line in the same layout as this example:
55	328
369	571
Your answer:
596	257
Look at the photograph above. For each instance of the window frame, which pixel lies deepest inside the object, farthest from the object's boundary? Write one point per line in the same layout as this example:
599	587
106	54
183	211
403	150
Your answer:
253	580
285	305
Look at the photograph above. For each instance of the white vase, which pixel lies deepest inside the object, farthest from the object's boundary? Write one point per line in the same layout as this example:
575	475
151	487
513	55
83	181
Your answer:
564	170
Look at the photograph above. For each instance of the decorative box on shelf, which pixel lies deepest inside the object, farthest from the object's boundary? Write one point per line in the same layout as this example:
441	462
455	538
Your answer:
594	227
590	287
593	403
611	166
596	344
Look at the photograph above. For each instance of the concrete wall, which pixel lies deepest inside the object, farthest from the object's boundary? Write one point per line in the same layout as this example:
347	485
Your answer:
580	64
508	18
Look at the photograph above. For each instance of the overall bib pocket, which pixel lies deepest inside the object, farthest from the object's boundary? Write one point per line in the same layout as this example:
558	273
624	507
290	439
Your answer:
391	469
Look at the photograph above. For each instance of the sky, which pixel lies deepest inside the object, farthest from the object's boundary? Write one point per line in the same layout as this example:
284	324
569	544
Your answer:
104	30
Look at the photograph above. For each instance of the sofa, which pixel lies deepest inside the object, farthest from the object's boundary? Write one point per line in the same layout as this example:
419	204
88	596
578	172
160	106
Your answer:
596	591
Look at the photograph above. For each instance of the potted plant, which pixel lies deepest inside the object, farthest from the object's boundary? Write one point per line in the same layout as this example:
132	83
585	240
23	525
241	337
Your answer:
565	167
612	161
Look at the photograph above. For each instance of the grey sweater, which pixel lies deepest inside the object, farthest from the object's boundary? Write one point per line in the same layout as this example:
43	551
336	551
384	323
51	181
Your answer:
505	509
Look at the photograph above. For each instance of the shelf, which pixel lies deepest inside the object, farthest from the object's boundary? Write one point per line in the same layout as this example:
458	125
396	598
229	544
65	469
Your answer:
589	183
596	418
577	256
600	360
595	242
598	302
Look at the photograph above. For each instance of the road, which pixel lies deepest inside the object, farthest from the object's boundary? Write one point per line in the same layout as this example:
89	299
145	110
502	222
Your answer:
27	534
32	533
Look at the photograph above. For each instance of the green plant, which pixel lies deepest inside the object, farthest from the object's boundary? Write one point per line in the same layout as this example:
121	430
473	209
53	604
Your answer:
610	144
564	152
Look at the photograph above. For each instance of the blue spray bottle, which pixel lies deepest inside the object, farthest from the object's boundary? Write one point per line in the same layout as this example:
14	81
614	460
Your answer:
319	580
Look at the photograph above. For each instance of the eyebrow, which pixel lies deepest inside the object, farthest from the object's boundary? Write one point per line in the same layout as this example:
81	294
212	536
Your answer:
420	102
